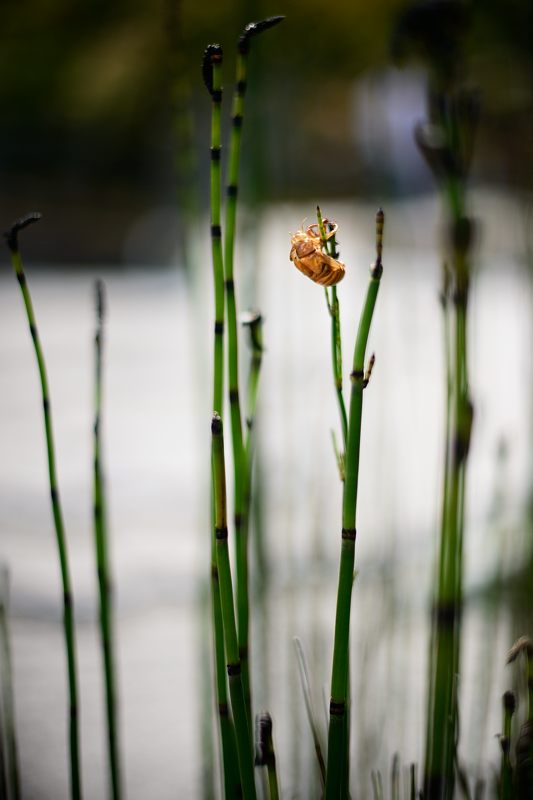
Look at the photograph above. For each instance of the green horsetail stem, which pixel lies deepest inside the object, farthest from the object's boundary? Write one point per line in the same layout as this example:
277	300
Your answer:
265	755
506	770
523	773
10	774
211	70
337	739
238	704
239	457
102	557
448	162
68	604
336	342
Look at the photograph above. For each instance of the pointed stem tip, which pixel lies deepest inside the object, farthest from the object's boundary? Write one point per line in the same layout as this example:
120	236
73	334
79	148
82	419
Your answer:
11	236
212	55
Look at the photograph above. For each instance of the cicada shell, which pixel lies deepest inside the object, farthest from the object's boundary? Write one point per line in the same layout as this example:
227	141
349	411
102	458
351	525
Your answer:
309	257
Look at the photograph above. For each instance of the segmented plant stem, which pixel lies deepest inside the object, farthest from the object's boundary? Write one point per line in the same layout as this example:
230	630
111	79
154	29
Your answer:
441	741
239	461
506	772
337	740
265	754
102	559
238	704
212	68
10	776
68	604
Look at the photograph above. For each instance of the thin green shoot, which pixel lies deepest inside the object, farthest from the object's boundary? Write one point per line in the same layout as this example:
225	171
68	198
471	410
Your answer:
101	538
212	69
10	774
68	603
264	752
238	704
239	457
311	718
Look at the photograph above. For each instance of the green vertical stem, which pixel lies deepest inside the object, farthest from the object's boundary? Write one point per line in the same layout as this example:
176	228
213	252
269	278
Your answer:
212	68
506	771
236	687
337	739
239	456
68	605
102	560
8	735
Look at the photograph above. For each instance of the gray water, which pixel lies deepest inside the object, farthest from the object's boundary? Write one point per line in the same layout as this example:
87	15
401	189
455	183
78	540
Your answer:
157	428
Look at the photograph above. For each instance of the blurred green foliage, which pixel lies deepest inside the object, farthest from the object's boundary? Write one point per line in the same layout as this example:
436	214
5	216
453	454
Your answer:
105	99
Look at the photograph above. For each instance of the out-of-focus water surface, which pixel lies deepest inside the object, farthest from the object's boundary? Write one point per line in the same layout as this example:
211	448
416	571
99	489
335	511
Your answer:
157	428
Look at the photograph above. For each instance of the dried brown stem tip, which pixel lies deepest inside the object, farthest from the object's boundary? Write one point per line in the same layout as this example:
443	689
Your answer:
212	55
11	236
380	222
522	645
263	739
509	701
254	28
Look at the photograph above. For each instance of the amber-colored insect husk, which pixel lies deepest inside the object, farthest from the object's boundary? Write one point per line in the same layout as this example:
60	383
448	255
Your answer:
308	256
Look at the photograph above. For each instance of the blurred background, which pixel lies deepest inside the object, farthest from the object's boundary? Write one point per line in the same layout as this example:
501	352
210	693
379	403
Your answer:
105	130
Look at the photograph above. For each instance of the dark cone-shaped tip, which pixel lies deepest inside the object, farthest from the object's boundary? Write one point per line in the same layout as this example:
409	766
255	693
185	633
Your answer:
254	28
11	236
212	55
216	425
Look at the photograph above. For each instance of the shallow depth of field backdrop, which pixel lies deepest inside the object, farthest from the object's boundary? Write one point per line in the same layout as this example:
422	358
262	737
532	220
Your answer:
105	130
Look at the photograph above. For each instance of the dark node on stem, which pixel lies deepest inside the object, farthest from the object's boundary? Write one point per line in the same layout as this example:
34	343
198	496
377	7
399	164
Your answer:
376	270
11	236
99	291
249	423
33	331
234	670
462	234
216	231
509	701
219	327
505	745
349	533
214	572
254	28
240	88
73	711
232	190
229	285
236	121
21	277
54	495
368	373
337	709
221	534
67	600
234	395
446	614
216	425
223	709
212	55
215	153
263	739
46	405
357	375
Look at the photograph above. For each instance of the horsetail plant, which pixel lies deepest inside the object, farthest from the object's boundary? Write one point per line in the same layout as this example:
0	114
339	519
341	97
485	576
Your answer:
211	70
506	769
10	785
68	604
338	757
265	755
239	458
236	687
434	31
102	557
